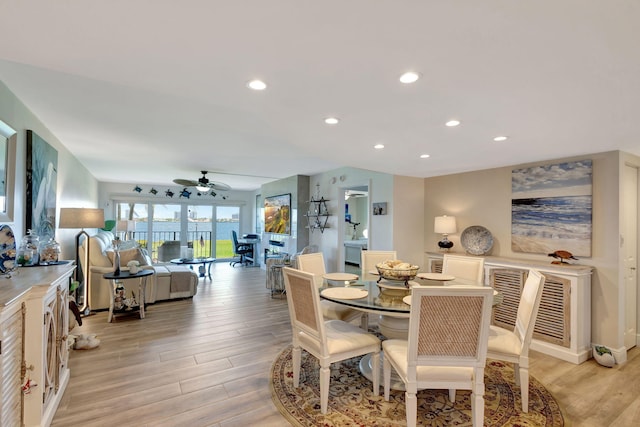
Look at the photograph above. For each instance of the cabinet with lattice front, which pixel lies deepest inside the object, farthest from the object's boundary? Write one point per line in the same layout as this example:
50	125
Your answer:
563	325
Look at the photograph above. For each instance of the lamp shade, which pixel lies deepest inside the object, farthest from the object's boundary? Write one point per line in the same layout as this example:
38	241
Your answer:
125	225
81	218
445	224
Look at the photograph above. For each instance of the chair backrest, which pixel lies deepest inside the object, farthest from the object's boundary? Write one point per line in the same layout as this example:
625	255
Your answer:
304	308
234	237
464	267
313	263
449	326
369	259
528	309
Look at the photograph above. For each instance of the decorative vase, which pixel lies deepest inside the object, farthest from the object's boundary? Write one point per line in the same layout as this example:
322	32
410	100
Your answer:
134	269
116	262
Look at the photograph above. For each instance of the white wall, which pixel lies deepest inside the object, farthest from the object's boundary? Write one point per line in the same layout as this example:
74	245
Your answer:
76	187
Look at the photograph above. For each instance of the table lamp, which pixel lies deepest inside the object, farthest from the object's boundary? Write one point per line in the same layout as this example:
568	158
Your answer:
82	218
445	225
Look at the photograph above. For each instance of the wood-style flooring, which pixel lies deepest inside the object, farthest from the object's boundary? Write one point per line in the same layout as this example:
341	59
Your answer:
205	362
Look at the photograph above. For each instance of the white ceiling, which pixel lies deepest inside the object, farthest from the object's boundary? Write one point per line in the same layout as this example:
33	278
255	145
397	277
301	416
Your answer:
145	91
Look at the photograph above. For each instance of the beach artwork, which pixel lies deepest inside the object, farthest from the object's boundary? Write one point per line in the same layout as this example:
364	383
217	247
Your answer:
551	207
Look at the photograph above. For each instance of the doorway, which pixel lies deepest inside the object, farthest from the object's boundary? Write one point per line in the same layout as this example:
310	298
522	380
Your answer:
354	231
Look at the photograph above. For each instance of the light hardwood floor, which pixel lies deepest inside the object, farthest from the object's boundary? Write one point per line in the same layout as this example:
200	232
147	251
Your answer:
205	362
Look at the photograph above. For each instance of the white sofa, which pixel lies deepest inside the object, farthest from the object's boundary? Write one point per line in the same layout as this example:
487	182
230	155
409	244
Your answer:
168	282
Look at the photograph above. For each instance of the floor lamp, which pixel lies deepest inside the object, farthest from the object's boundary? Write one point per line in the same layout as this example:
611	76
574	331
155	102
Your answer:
82	218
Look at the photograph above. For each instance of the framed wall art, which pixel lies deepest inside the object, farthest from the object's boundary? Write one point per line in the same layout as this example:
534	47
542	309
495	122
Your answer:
551	208
42	178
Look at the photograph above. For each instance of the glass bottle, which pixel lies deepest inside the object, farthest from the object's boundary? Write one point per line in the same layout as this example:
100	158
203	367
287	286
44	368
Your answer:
49	252
28	252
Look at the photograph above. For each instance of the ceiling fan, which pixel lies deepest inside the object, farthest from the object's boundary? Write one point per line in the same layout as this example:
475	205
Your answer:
203	183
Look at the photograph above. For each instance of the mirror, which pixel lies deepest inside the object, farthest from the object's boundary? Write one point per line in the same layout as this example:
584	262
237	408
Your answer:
7	171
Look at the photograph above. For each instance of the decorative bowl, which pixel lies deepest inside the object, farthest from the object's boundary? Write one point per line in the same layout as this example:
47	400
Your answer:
397	274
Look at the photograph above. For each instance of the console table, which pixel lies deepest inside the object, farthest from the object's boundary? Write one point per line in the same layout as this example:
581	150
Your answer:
563	325
34	325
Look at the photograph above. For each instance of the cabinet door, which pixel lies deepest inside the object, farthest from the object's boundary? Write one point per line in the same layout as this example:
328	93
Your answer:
50	368
11	356
62	332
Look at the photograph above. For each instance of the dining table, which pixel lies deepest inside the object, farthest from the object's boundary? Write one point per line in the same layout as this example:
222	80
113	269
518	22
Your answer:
391	301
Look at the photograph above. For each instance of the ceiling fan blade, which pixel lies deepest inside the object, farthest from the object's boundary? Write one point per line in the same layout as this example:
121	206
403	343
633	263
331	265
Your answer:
186	182
219	186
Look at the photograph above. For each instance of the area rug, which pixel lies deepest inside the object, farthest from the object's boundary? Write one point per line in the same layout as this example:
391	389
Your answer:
352	403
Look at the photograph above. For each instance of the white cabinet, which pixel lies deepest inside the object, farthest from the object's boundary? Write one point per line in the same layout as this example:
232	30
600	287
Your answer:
353	251
563	325
34	324
11	356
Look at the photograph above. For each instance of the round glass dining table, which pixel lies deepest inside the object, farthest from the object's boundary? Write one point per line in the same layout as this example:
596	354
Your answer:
385	299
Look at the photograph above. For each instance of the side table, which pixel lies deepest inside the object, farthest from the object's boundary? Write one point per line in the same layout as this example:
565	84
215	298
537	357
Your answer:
142	284
275	279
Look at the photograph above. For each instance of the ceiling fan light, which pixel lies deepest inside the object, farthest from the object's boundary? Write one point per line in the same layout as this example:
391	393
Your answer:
202	188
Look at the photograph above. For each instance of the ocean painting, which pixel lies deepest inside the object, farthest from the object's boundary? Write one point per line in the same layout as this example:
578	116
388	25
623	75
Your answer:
551	208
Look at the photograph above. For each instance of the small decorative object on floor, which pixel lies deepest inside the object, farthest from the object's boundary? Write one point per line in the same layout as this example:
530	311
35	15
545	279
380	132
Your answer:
86	342
603	356
563	256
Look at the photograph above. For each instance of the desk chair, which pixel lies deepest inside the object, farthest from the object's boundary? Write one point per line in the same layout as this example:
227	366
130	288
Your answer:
328	341
446	347
241	250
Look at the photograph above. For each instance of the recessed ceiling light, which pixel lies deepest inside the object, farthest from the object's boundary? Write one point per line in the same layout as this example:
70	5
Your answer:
331	120
257	85
424	156
409	77
378	146
500	138
452	123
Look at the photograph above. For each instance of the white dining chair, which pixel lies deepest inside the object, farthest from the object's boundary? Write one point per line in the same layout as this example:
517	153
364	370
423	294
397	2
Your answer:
446	346
466	268
314	263
512	346
327	340
369	259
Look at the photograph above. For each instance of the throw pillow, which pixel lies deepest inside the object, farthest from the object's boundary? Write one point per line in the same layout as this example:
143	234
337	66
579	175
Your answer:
128	255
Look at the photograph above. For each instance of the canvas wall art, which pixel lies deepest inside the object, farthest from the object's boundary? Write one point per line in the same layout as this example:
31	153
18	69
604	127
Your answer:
42	179
277	214
551	208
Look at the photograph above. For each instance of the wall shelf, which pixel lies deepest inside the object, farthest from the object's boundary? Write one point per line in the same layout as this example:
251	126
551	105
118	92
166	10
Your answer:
317	214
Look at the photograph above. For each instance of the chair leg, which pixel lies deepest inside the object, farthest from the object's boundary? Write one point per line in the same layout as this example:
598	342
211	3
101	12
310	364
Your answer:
524	388
375	367
477	409
452	395
411	404
386	374
295	360
324	388
364	322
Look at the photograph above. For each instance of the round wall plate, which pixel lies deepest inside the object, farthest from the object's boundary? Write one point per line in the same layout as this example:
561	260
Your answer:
476	240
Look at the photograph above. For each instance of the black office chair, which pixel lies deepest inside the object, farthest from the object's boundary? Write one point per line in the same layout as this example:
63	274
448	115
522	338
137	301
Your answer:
241	250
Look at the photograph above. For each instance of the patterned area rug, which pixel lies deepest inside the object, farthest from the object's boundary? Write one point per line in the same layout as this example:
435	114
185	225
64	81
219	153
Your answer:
352	403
